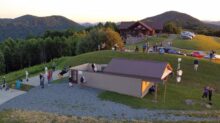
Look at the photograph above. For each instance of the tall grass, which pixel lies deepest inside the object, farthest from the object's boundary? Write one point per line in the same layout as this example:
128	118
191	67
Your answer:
200	42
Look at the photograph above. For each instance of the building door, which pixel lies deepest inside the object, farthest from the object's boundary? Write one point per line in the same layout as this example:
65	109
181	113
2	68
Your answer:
74	74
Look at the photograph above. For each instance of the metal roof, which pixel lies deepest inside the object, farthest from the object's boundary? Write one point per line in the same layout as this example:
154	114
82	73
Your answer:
144	69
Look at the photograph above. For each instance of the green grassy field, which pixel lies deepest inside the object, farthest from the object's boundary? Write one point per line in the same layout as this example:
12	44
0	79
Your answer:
200	42
190	88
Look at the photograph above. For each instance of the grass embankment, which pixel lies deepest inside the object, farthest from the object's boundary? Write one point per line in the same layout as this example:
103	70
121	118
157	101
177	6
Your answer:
19	116
152	41
190	88
200	42
33	71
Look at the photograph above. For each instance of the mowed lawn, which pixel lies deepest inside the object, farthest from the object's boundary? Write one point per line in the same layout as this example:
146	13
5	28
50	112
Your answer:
200	42
191	86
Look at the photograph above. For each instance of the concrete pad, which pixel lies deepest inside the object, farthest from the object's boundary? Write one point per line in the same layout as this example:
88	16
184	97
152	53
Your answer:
35	81
10	94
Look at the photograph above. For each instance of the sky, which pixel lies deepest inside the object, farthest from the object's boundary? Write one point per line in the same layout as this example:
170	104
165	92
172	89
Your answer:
109	10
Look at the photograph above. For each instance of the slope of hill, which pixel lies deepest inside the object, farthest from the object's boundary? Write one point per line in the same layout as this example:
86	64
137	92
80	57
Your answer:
200	42
184	20
190	87
29	25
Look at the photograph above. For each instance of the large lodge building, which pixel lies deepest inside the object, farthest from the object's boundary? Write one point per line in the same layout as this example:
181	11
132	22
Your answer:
139	29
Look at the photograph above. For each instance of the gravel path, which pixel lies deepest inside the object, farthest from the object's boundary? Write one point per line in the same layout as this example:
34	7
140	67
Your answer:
8	95
82	101
35	81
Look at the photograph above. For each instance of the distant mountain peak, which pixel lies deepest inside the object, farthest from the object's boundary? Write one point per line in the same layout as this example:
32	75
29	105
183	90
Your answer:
29	25
27	16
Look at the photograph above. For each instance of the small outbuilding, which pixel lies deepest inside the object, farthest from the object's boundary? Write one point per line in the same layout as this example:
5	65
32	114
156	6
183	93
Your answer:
124	76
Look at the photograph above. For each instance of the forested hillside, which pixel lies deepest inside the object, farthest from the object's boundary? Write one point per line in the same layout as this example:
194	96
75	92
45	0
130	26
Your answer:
17	54
28	25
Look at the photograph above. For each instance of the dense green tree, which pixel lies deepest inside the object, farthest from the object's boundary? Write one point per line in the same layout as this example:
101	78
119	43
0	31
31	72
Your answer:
17	54
97	37
111	25
91	41
171	27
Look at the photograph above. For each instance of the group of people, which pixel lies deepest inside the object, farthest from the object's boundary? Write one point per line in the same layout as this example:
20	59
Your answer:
49	74
146	47
207	93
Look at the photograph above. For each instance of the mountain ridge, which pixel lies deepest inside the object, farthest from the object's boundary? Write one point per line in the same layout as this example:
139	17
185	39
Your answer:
182	19
30	25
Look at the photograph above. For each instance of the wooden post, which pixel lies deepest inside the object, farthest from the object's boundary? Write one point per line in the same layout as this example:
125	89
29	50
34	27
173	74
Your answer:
165	91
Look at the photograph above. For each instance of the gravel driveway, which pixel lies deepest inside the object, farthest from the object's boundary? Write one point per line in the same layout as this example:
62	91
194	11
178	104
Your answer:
82	101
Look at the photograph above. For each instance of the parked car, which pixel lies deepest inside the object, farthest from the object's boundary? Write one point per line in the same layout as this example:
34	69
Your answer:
150	50
170	50
198	54
187	35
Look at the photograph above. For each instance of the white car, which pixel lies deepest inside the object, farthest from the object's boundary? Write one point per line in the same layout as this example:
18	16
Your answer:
187	35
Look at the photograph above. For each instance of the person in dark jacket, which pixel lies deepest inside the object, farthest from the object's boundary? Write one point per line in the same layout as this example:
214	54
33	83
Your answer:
210	95
205	92
144	47
136	49
41	80
3	82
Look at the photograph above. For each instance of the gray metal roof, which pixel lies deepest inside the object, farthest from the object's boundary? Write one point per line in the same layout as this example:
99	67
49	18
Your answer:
152	25
144	69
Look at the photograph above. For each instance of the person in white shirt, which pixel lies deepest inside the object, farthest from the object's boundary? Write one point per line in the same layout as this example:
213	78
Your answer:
27	74
46	71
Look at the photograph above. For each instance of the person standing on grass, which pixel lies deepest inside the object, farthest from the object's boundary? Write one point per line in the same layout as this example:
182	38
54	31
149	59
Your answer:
147	46
205	92
210	90
27	74
54	66
196	64
136	49
211	55
3	85
99	47
144	47
3	82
